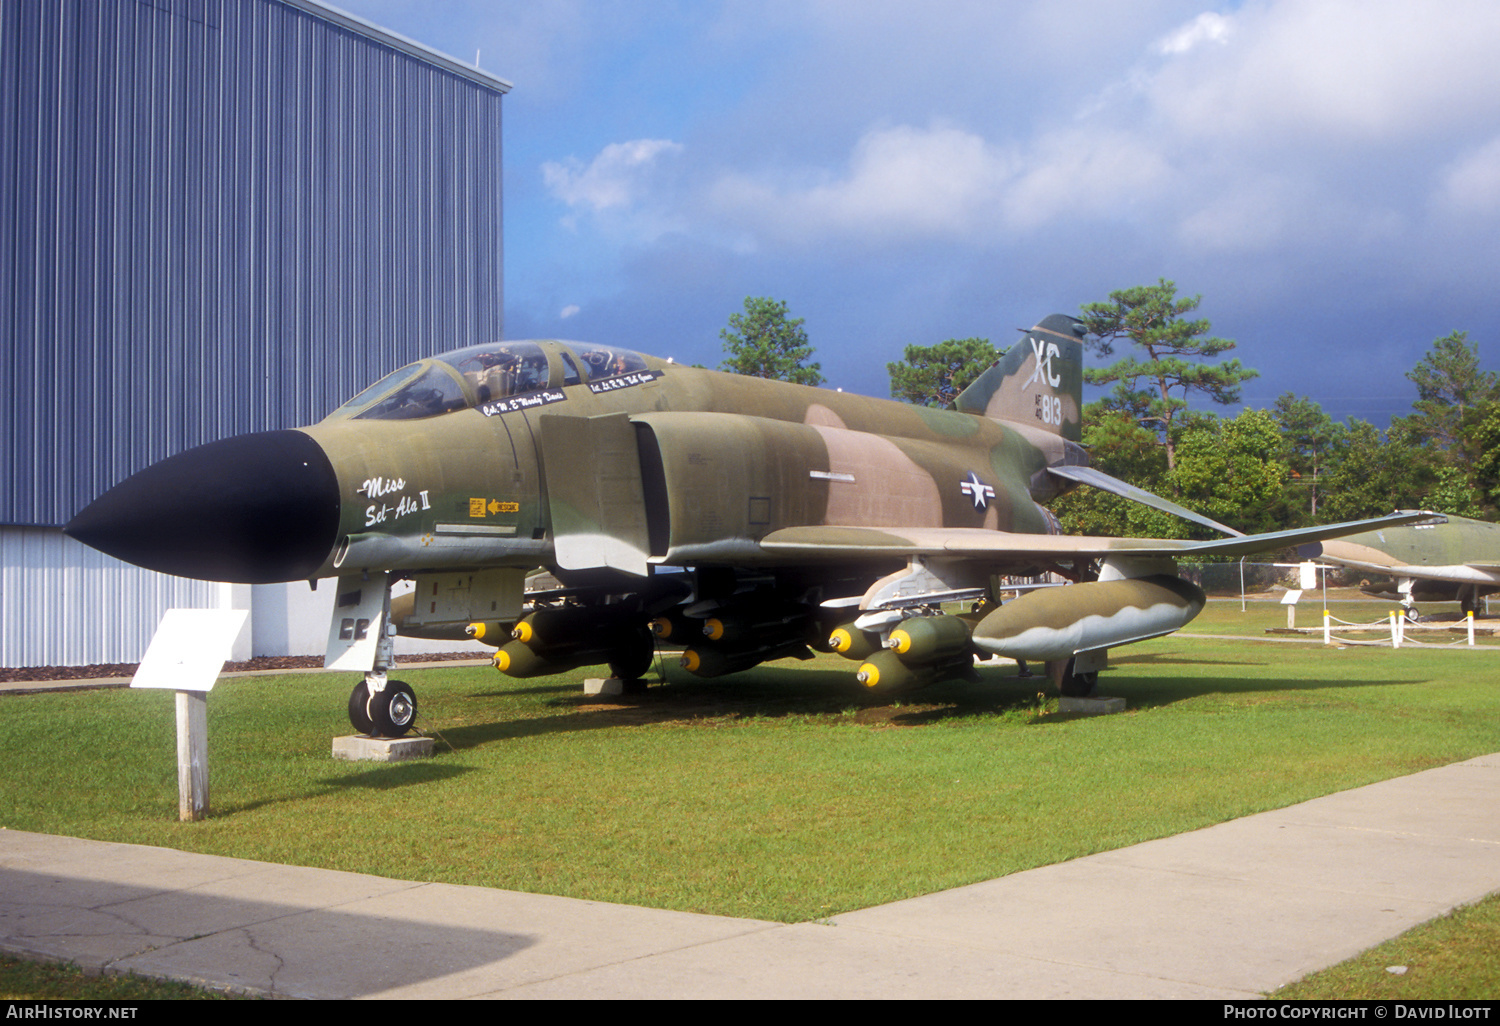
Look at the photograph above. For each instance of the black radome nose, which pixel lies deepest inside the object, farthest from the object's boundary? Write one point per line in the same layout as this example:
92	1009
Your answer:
255	509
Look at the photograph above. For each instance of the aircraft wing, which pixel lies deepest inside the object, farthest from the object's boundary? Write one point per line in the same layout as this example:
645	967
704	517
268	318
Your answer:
1099	479
833	543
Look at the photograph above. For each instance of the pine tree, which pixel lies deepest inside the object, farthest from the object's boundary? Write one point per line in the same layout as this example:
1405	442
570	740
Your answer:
934	375
764	343
1308	436
1155	391
1450	389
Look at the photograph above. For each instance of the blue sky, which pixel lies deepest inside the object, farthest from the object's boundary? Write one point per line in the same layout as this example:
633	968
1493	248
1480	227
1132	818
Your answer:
1325	173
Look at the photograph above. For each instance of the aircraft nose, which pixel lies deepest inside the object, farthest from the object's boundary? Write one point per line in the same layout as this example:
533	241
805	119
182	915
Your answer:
254	509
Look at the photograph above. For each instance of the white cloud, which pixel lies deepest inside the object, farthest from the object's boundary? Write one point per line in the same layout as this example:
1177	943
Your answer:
1262	124
1329	71
569	311
901	181
1471	185
614	179
1242	216
907	184
1206	28
1079	173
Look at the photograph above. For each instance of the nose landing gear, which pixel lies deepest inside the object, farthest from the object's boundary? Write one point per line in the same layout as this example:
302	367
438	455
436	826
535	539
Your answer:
387	710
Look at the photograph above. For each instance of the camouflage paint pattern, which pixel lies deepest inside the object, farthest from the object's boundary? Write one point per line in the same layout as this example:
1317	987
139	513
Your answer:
1457	550
1457	560
806	516
1058	623
471	488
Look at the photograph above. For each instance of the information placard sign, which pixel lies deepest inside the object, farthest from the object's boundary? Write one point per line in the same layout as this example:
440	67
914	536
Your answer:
189	649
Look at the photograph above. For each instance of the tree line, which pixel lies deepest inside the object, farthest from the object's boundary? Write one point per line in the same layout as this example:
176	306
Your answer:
1260	470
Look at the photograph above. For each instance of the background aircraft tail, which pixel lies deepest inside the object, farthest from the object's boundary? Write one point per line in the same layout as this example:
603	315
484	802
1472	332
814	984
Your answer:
1039	381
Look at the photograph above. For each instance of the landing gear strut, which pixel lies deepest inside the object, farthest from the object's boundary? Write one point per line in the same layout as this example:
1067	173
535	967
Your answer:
1469	600
360	636
1071	683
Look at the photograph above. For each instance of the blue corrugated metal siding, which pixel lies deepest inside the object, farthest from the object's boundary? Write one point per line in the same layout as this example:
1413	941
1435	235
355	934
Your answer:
220	216
63	604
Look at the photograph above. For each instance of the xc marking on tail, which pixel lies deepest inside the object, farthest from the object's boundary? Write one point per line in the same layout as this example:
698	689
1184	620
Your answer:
1044	363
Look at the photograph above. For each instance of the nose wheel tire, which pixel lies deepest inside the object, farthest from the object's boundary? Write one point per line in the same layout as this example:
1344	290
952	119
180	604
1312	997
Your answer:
389	713
359	709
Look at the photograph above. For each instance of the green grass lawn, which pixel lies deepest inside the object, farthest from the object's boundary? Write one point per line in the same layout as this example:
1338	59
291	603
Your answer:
24	980
780	794
784	793
1453	957
1264	612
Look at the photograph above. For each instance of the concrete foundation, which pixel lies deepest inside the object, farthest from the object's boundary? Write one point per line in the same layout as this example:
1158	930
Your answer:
359	748
1090	706
605	686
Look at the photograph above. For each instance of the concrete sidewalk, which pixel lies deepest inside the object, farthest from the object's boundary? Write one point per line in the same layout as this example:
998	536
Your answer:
1231	911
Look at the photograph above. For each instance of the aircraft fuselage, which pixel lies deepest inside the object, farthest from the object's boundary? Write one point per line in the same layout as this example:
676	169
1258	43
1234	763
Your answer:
661	464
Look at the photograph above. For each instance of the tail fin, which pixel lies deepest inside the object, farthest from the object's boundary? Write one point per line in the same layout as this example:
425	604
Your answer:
1038	382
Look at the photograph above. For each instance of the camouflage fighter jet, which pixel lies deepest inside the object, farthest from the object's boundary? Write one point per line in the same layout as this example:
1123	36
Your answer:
1453	560
745	519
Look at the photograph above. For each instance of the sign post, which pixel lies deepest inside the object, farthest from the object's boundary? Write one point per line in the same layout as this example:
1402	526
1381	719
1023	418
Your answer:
192	755
1290	600
185	656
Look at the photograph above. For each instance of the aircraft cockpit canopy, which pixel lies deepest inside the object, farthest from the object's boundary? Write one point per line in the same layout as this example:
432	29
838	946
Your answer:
484	373
607	361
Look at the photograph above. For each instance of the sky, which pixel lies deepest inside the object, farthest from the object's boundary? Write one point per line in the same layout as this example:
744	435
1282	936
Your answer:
1325	174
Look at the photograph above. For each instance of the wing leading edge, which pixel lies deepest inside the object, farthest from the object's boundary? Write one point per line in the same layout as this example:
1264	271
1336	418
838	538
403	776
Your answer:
833	543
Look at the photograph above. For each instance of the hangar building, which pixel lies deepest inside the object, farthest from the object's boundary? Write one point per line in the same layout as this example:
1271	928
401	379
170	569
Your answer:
216	216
